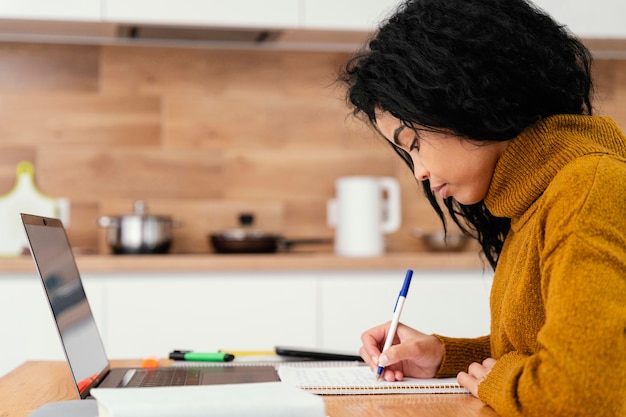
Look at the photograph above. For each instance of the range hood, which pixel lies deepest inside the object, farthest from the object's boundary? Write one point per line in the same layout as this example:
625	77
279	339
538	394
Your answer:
100	33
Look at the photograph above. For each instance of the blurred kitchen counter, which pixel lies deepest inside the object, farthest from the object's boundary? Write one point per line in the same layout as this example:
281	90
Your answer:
260	262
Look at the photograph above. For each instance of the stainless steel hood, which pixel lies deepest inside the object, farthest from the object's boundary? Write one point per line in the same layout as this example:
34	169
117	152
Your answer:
100	33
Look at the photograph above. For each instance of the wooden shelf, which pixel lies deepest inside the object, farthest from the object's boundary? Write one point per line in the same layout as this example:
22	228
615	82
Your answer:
261	262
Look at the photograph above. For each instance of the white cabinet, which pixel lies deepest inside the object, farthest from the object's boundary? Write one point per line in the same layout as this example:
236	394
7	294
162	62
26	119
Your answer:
589	19
144	314
80	10
450	303
597	19
360	15
152	314
220	13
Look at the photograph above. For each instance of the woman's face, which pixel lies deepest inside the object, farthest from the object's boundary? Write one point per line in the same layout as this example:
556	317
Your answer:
456	167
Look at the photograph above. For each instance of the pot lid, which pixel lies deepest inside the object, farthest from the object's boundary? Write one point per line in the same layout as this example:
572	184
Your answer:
245	231
140	213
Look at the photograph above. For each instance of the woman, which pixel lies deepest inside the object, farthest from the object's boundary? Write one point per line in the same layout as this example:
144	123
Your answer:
488	102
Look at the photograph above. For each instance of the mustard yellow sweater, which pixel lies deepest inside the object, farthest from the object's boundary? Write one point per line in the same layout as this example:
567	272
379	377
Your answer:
558	301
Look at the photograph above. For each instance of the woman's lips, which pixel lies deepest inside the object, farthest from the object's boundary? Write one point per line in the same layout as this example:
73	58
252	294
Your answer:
442	190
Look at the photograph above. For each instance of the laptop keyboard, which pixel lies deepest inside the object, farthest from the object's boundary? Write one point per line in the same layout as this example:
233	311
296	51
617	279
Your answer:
164	377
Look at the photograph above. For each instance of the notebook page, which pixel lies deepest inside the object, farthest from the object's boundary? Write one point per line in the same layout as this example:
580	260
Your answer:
361	380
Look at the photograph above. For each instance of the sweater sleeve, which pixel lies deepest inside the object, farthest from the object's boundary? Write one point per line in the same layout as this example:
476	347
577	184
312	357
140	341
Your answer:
459	353
579	368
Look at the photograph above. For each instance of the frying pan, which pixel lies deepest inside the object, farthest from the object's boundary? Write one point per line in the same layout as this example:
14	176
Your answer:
238	241
249	240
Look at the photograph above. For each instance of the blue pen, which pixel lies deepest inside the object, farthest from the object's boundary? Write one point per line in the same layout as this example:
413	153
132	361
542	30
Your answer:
397	310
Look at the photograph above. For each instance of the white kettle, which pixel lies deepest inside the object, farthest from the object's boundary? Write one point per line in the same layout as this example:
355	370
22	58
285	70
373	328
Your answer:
364	210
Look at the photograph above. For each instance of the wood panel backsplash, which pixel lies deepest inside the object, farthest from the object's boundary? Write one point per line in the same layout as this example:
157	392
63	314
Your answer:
201	135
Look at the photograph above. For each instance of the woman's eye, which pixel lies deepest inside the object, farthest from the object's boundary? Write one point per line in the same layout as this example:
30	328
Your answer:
415	145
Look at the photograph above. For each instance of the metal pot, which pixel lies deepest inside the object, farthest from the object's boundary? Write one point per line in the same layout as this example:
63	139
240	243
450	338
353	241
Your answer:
248	240
138	233
440	241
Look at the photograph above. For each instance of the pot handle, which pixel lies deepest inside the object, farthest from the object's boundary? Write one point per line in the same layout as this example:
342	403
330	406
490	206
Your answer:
140	208
106	221
331	213
313	241
392	208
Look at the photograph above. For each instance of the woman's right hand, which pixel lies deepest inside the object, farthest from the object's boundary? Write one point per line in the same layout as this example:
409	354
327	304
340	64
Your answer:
412	353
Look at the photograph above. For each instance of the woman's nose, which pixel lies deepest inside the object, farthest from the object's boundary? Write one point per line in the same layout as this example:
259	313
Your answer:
419	171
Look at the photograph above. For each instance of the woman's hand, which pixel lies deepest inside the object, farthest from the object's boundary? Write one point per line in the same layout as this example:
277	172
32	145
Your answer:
475	375
412	353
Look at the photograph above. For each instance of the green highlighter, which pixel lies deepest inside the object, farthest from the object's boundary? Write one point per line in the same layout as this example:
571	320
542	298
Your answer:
190	355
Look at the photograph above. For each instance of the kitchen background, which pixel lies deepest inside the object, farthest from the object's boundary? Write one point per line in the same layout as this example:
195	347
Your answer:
202	135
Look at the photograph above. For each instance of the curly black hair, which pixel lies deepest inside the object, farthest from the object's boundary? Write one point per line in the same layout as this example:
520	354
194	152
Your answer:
482	69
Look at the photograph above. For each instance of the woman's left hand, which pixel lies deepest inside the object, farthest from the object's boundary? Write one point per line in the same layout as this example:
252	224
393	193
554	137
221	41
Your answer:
475	374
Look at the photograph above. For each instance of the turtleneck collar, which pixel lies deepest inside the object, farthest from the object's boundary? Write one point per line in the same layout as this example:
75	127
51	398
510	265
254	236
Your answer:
534	157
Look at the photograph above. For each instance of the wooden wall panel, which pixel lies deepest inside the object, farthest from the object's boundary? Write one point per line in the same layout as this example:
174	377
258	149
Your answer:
605	78
164	71
268	175
82	229
103	174
48	67
306	218
255	123
610	85
312	74
202	135
63	119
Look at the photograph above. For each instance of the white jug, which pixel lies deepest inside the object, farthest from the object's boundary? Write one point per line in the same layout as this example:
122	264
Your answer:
364	210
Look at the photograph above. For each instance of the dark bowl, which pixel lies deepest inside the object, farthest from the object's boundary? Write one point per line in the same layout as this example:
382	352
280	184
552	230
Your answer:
442	242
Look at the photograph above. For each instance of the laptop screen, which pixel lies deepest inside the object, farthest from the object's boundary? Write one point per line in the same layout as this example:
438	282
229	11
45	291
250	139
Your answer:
61	280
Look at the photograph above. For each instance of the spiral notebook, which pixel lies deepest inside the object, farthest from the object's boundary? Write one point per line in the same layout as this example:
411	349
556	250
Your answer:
353	380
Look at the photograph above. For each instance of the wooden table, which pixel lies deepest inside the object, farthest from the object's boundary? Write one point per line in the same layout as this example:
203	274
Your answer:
38	382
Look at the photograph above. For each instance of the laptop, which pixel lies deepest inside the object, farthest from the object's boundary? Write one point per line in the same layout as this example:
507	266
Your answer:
79	334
